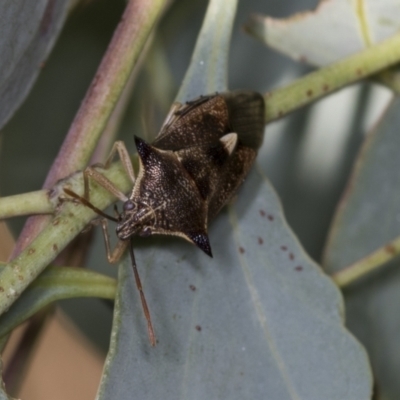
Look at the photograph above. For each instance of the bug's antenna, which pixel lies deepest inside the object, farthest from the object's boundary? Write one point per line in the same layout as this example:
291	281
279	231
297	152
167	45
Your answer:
89	204
150	330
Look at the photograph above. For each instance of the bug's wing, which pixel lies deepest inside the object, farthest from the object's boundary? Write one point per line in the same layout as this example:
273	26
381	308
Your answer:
196	123
246	117
230	178
208	118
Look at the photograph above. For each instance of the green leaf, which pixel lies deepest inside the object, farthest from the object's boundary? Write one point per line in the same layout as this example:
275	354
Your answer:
69	220
208	69
336	29
56	283
368	218
259	320
28	30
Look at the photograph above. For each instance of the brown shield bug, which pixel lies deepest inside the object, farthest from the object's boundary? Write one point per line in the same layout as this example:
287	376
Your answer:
194	166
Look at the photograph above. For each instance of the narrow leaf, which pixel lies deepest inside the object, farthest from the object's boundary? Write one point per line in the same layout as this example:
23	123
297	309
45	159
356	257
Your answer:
369	218
336	29
208	70
28	30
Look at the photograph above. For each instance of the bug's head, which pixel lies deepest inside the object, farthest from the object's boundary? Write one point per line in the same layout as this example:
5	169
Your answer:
136	218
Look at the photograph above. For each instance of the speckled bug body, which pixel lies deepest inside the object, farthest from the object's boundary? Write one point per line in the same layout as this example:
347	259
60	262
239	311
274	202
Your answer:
194	166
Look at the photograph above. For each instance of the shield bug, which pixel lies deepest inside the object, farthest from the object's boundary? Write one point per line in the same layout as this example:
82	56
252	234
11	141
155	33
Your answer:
194	166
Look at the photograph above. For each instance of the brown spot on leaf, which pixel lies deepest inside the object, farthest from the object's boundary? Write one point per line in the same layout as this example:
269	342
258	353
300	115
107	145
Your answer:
284	248
390	249
56	221
325	87
303	59
31	251
198	328
299	268
262	213
192	288
55	247
291	256
309	93
270	217
1	289
241	250
260	240
359	72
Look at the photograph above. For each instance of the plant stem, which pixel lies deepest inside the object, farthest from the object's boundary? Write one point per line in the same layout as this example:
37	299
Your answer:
367	264
391	78
123	51
125	47
24	204
57	283
331	78
69	220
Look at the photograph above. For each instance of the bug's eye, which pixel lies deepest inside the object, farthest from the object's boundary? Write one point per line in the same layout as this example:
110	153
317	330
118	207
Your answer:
128	205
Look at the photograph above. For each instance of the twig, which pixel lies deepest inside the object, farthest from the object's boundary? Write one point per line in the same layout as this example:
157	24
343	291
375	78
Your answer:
125	47
326	80
25	204
367	264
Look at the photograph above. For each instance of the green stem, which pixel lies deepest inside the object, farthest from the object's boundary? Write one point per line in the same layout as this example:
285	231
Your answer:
367	264
25	204
125	47
124	50
69	220
56	283
331	78
391	78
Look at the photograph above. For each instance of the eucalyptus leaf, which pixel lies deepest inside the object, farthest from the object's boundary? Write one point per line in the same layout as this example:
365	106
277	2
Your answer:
368	218
28	30
208	70
56	283
259	320
336	29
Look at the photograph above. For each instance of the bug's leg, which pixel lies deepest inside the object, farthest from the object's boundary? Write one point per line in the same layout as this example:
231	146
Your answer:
120	147
91	172
113	256
150	329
